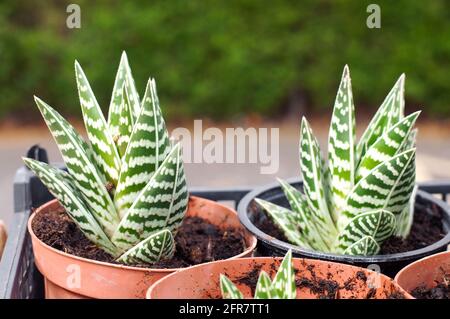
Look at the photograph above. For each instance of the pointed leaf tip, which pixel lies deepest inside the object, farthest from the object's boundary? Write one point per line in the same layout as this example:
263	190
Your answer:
77	65
38	102
304	123
346	71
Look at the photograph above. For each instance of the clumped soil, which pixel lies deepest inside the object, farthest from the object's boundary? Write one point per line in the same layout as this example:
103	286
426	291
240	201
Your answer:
440	291
426	229
197	240
322	288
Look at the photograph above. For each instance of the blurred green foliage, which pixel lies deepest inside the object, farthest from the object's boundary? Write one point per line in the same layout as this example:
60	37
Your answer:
229	58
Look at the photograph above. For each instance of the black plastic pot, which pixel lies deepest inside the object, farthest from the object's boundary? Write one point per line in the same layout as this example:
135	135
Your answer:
388	264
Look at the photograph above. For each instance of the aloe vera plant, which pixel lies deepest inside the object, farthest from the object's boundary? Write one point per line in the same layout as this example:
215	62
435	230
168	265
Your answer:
282	287
126	189
365	192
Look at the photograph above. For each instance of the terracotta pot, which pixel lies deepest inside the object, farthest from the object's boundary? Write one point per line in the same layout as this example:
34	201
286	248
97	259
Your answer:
202	281
68	276
3	237
426	272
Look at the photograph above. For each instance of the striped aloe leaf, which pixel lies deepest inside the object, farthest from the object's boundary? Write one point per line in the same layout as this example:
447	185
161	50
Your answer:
156	247
312	172
390	143
161	204
366	246
406	217
106	154
377	190
289	223
125	125
379	224
411	141
283	285
400	194
398	103
263	288
123	78
228	289
312	226
387	115
148	147
341	145
78	158
62	186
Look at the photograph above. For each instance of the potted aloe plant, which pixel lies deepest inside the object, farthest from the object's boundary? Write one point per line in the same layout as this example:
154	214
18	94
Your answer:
292	278
122	217
361	205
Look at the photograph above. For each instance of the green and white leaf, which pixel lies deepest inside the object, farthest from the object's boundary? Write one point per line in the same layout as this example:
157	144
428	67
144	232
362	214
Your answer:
126	123
387	145
411	141
376	191
228	289
401	193
161	204
156	247
366	246
283	285
315	231
148	147
62	186
123	78
406	217
379	224
341	145
390	111
398	103
263	287
80	163
312	172
287	221
106	154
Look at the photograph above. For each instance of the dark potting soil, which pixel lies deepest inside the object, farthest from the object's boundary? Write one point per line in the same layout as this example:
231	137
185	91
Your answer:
440	291
426	229
320	287
197	241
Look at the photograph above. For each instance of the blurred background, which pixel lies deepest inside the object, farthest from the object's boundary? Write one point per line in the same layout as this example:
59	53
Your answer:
232	63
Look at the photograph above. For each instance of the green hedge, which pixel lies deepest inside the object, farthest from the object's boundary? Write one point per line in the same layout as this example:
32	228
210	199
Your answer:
228	58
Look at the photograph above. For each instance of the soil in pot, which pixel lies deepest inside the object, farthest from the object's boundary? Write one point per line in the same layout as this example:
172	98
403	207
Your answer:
322	288
440	291
427	229
197	240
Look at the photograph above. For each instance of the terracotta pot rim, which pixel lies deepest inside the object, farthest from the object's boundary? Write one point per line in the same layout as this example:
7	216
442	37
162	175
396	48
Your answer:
250	248
413	264
271	259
